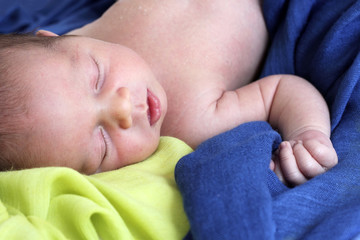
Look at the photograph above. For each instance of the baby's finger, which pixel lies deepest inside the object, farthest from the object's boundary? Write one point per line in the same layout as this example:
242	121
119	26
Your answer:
275	167
272	165
325	155
305	161
289	167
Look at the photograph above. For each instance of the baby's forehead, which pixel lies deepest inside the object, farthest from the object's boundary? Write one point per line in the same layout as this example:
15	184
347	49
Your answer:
43	44
26	52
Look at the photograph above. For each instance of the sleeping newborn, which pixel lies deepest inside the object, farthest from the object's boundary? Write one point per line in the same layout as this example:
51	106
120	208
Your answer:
106	92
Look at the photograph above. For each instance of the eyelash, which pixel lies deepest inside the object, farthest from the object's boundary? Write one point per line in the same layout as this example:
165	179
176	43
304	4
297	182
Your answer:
106	142
100	80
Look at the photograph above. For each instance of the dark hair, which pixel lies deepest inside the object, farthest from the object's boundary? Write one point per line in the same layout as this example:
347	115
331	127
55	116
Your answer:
14	96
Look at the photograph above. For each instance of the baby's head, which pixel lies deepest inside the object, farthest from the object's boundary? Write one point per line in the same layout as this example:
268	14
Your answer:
76	102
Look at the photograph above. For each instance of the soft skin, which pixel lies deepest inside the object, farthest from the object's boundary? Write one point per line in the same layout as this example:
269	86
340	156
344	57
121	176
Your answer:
89	107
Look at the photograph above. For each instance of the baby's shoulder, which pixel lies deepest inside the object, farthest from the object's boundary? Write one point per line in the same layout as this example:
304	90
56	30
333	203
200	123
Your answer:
191	7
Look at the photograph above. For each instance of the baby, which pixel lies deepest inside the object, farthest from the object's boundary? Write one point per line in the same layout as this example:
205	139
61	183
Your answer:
100	97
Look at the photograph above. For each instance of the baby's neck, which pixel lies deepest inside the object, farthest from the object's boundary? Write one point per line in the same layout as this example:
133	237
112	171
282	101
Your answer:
195	48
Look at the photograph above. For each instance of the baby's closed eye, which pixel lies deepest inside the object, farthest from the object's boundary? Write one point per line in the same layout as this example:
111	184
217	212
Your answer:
105	143
99	76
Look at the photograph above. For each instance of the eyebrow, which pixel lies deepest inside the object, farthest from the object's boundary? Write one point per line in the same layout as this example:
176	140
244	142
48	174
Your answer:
75	57
54	41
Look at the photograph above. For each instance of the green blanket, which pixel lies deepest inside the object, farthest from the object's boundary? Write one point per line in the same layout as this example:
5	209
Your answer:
140	201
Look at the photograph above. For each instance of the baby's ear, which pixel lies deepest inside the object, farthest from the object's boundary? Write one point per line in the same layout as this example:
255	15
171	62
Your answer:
46	33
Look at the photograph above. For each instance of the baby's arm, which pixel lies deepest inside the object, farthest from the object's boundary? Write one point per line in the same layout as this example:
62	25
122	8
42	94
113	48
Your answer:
294	107
301	115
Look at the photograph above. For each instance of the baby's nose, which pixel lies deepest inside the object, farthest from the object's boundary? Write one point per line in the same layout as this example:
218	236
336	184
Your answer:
121	108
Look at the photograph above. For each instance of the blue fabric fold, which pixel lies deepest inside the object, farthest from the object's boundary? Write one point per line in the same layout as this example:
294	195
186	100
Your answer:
211	180
320	41
57	16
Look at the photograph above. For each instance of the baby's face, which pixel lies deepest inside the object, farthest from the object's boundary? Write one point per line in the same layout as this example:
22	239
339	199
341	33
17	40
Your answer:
95	106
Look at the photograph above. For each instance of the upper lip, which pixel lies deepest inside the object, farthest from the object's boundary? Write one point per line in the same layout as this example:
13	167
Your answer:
154	110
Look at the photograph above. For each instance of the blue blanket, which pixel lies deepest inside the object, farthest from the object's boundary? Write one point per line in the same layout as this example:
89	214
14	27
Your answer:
229	192
57	16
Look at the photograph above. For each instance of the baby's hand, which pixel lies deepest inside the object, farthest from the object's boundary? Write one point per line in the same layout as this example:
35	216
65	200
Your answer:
306	156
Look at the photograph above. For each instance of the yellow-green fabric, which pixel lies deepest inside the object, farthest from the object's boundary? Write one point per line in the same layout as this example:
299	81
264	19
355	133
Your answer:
140	201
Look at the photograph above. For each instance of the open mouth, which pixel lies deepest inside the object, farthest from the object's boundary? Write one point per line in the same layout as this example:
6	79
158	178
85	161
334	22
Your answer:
154	110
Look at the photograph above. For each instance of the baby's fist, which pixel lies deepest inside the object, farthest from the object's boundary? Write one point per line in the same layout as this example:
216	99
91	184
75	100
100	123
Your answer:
308	155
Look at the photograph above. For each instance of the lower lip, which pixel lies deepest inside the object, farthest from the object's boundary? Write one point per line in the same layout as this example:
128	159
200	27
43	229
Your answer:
154	111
